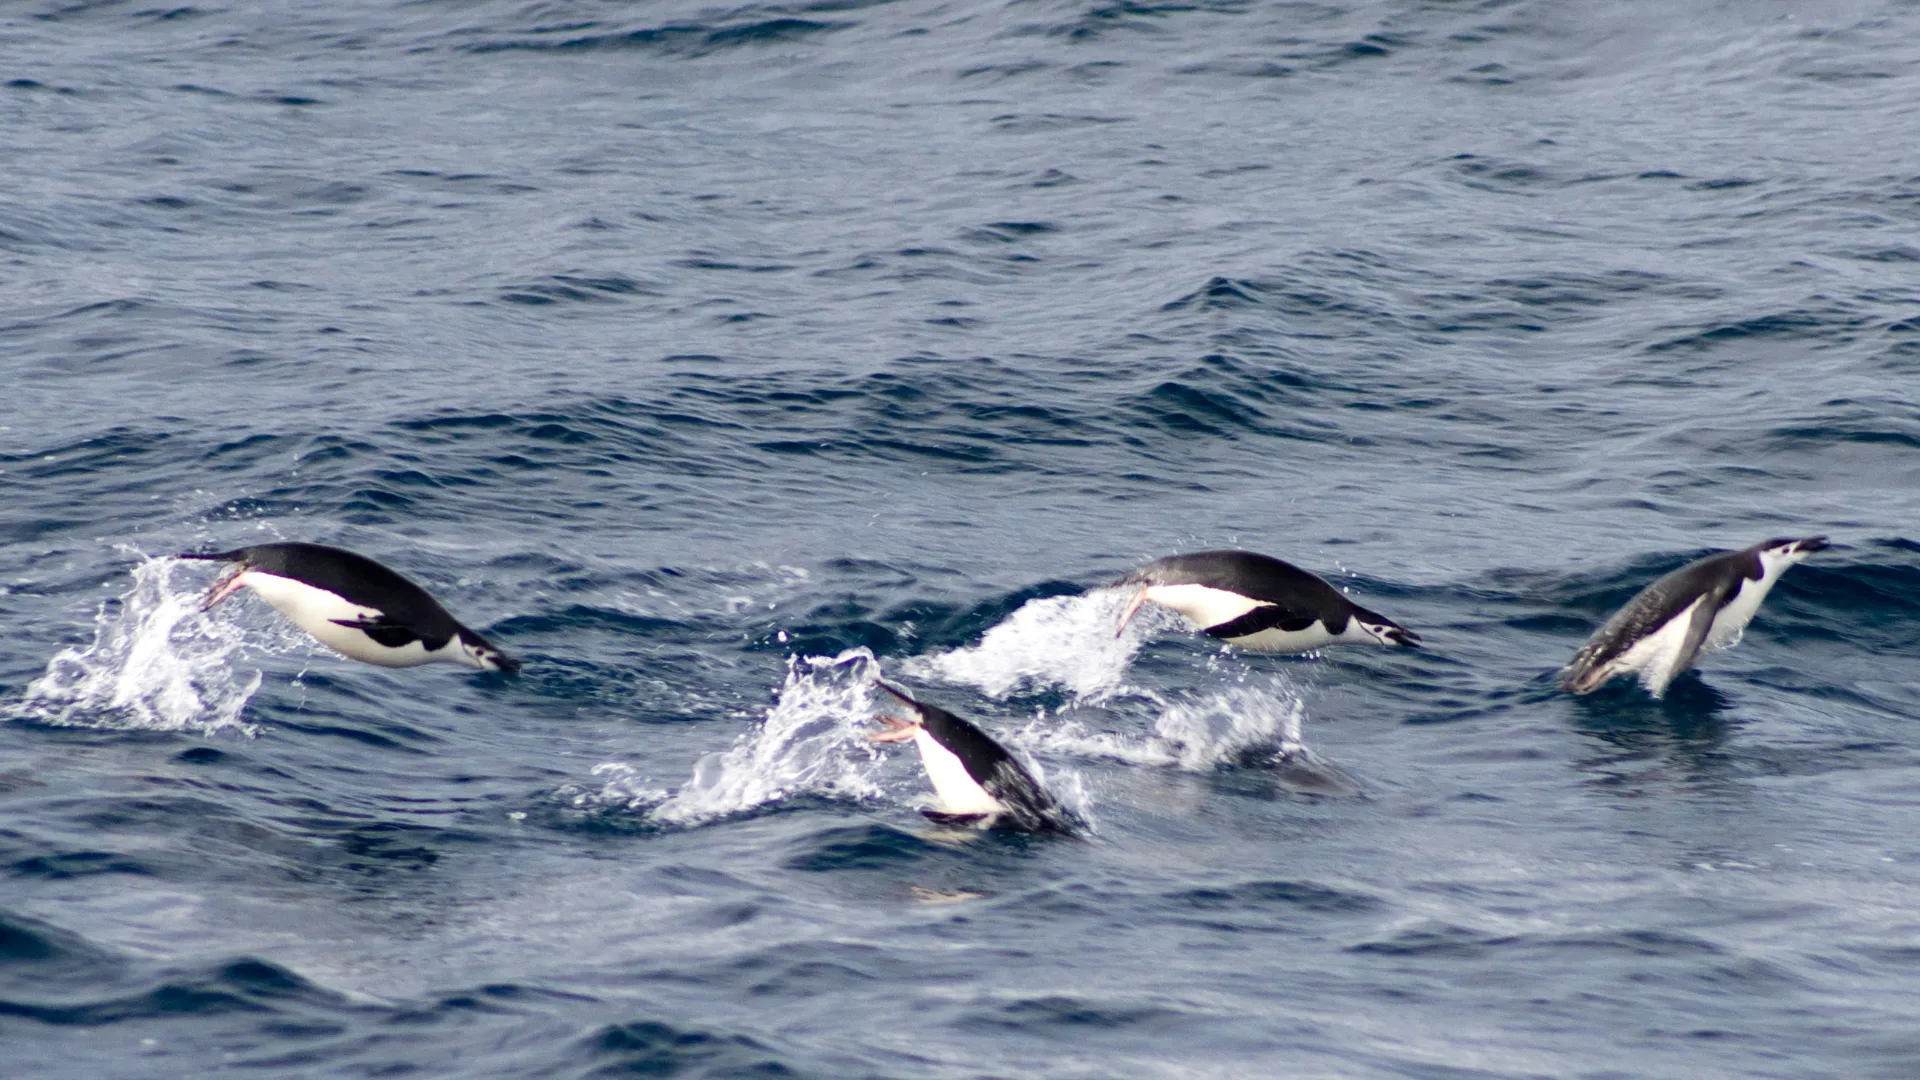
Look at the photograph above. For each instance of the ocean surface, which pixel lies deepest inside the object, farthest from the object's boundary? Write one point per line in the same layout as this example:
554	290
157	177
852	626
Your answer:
716	358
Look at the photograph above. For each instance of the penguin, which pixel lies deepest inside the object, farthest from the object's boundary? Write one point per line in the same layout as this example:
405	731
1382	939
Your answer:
1702	607
353	605
1257	602
977	780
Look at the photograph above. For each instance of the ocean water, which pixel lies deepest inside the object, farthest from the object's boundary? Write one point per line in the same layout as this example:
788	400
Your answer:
714	359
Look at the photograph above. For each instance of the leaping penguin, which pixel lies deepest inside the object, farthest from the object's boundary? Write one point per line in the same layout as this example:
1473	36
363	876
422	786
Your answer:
1257	602
1702	607
353	605
977	780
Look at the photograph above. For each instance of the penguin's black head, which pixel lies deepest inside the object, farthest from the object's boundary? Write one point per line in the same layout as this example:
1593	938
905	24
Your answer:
482	654
897	728
938	722
1388	632
495	660
229	582
1792	547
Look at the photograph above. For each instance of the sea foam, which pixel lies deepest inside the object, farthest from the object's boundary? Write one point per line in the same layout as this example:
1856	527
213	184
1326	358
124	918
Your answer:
1065	642
156	663
1197	731
811	742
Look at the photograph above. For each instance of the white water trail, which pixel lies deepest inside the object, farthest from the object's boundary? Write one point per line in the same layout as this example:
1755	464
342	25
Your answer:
1064	641
1068	642
1227	726
1198	732
812	742
156	663
623	786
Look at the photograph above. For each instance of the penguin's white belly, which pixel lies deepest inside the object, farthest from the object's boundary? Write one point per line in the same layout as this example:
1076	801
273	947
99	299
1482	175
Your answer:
314	610
959	793
1657	656
1201	605
1274	639
1731	622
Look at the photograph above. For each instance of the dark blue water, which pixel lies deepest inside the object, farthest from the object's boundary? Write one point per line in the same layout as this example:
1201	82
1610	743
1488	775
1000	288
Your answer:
712	358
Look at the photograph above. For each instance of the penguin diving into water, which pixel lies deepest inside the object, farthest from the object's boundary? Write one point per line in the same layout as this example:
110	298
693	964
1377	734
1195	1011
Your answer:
1702	607
977	780
1257	602
353	605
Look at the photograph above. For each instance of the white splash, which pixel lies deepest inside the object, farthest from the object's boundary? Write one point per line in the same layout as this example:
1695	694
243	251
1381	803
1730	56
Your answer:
624	786
1232	725
1068	788
812	742
157	663
1198	732
1064	641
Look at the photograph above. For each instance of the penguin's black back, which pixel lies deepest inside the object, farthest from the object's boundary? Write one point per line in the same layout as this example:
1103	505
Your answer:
1256	577
354	578
1029	805
1672	593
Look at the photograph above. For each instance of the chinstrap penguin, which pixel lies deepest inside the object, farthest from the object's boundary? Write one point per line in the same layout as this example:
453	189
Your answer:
1257	602
977	780
1702	607
354	606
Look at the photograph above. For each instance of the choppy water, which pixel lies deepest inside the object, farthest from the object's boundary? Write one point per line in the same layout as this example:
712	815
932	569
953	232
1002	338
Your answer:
712	358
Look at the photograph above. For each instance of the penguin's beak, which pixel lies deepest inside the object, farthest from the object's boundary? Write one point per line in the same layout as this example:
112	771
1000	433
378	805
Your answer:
1812	544
898	730
224	588
1133	606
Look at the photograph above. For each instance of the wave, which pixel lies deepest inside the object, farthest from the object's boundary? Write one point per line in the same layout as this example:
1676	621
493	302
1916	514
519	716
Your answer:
811	743
156	663
1866	590
752	27
1067	643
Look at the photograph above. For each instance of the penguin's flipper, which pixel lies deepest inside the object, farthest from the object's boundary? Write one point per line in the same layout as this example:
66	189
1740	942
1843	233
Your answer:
1264	617
383	630
1700	625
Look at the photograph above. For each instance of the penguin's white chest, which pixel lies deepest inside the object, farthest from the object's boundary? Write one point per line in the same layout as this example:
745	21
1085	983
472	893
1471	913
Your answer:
1657	656
959	792
313	610
1732	620
1203	606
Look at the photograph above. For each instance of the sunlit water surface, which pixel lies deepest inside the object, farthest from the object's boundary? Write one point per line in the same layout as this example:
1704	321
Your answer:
717	359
